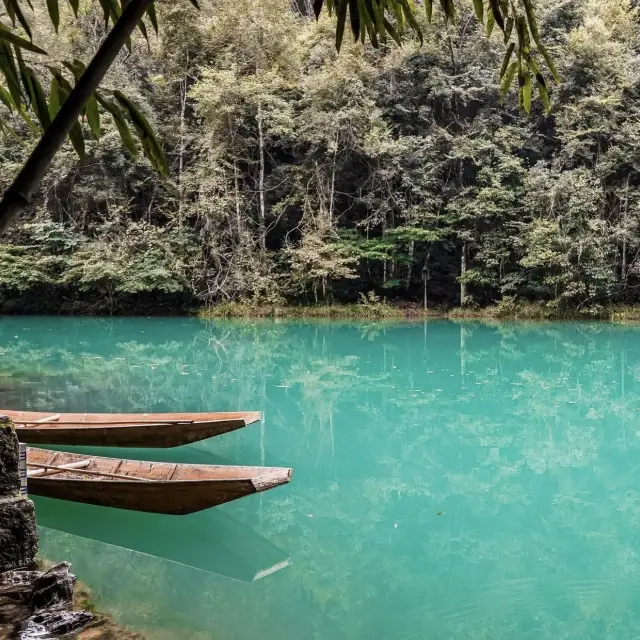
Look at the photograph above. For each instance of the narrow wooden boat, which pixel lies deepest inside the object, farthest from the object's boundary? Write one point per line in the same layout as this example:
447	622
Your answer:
154	487
149	430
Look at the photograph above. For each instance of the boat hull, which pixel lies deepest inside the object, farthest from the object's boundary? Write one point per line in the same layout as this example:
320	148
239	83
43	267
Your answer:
154	487
155	431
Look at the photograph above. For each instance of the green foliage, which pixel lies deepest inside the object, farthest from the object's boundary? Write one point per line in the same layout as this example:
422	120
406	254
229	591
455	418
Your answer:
297	174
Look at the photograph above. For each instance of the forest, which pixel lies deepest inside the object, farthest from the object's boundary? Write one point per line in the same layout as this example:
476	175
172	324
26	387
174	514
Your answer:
299	175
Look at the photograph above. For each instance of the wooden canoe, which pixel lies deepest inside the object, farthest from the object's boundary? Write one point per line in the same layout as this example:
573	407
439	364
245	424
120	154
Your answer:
154	487
148	430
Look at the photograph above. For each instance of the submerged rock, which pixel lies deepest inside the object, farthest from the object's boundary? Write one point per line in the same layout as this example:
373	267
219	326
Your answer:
51	624
54	587
33	604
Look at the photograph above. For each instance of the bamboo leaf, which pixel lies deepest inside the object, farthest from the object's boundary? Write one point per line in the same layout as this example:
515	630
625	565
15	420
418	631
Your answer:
549	61
317	7
5	98
10	73
143	30
391	30
17	11
490	22
54	13
77	140
75	5
508	29
54	99
153	18
544	95
195	4
531	20
526	93
150	144
9	36
8	5
93	116
497	15
40	101
428	5
354	16
379	20
411	19
507	58
121	124
478	6
341	11
508	79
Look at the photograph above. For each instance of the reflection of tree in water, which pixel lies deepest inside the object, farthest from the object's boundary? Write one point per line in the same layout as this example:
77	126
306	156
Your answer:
524	435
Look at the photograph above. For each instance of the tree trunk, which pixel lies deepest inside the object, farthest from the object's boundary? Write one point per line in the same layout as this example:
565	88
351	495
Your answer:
624	234
181	148
263	233
236	184
425	280
412	247
19	194
463	271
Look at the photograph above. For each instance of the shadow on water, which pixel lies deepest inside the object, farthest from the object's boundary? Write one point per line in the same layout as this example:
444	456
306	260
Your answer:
210	541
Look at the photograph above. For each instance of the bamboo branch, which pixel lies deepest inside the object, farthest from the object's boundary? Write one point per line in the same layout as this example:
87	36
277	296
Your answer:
18	196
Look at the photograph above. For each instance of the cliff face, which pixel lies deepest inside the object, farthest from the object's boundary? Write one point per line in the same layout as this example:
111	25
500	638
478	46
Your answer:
18	534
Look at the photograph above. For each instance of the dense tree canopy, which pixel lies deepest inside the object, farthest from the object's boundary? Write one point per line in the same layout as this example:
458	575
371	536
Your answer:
296	173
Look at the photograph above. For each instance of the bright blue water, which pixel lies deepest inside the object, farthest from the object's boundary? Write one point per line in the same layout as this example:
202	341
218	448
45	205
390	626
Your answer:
524	437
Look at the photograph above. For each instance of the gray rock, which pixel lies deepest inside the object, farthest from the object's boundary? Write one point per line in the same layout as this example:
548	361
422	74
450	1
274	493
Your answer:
9	459
54	624
53	588
18	533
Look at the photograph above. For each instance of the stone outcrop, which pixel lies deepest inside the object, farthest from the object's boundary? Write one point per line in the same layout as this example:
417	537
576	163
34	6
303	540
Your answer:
18	534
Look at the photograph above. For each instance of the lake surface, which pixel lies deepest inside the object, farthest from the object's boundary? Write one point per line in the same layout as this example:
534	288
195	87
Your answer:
523	438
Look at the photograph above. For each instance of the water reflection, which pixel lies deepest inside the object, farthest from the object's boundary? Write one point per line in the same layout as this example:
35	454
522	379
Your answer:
525	436
210	541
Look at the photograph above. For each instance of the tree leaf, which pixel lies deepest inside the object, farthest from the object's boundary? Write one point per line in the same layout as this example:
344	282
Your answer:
478	5
93	116
150	144
77	139
153	18
507	58
508	79
9	36
54	13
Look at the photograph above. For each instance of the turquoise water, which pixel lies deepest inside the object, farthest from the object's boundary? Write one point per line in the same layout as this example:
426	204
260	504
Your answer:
524	438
